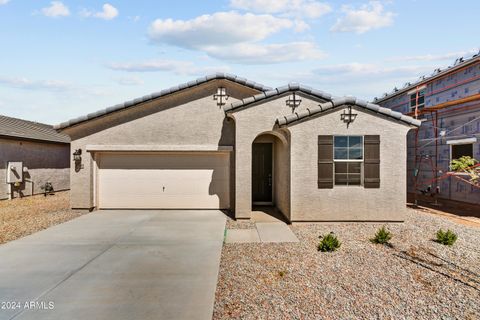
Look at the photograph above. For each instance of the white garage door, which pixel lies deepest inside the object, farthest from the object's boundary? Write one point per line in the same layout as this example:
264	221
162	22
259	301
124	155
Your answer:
163	180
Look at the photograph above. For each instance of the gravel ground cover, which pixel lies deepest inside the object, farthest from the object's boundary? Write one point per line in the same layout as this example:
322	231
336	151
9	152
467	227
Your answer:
239	224
23	216
415	278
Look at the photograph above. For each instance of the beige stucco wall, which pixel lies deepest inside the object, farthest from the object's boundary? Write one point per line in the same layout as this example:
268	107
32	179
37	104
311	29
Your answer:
251	122
348	202
45	162
193	118
307	202
187	118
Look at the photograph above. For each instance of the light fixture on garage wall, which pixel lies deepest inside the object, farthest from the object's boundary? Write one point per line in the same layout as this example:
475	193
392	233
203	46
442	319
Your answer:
221	96
77	155
77	158
293	101
347	116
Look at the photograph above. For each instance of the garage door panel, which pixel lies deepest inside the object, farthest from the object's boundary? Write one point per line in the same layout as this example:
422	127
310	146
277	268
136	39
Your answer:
170	181
168	202
165	161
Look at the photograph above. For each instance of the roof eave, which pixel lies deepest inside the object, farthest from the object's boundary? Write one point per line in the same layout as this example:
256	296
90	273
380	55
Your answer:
159	94
342	102
275	93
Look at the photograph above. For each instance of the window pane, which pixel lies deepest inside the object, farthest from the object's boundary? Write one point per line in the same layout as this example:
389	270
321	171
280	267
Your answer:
341	179
355	154
355	167
340	142
341	153
341	167
460	150
354	179
355	142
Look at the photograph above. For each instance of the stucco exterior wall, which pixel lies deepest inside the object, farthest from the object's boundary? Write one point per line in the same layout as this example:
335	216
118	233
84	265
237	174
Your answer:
251	122
348	203
45	162
185	118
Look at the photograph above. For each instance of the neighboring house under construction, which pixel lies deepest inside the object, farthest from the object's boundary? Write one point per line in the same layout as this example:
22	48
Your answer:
448	103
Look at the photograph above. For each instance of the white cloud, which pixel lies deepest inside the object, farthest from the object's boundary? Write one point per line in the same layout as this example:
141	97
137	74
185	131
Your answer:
300	8
2	2
368	17
366	72
27	84
109	12
363	80
129	81
134	18
218	29
435	57
56	9
253	53
175	66
235	37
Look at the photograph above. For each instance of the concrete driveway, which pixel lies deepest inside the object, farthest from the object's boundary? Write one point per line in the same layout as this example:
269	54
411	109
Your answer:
123	264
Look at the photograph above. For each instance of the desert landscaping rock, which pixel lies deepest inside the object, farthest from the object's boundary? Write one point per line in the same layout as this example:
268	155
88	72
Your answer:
415	278
23	216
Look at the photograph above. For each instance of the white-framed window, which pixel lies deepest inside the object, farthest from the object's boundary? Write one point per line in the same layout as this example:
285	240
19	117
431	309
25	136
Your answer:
461	147
348	160
460	150
417	101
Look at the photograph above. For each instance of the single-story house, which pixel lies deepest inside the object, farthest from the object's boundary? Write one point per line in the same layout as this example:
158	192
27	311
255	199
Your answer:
224	142
32	154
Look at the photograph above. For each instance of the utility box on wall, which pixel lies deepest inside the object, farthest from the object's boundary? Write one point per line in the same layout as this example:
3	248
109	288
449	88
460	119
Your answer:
15	172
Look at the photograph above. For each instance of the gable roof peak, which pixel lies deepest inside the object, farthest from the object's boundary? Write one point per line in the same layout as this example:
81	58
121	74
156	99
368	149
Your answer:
346	101
164	92
291	87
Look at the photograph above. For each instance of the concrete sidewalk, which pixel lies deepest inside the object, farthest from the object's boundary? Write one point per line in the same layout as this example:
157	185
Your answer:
116	265
273	232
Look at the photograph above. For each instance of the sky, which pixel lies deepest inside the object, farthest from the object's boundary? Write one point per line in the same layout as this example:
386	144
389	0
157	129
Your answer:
63	59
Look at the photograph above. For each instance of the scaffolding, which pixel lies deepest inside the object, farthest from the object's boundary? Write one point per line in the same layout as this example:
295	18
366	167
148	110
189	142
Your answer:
431	187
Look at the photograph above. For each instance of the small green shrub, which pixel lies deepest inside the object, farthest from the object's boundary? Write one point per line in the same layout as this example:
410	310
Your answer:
382	236
328	243
447	238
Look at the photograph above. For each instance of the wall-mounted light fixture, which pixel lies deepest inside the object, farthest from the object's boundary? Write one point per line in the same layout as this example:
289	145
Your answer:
77	155
221	96
347	116
293	101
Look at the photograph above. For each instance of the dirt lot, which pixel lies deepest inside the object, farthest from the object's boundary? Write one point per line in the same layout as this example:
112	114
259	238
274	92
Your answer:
416	278
21	217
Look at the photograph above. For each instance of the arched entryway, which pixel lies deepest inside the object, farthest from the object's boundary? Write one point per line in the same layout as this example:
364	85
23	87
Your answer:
271	173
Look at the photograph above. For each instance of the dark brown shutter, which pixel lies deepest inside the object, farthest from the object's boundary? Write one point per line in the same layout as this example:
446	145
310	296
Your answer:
325	162
371	176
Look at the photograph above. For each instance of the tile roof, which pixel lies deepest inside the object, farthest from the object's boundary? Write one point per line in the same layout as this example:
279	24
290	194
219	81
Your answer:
193	83
458	64
23	129
292	87
352	101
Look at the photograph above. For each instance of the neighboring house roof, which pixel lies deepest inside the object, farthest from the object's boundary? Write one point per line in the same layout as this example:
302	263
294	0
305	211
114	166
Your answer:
23	129
292	87
150	97
346	101
437	73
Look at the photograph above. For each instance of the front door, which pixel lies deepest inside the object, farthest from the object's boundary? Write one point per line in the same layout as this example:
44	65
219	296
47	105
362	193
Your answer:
262	173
